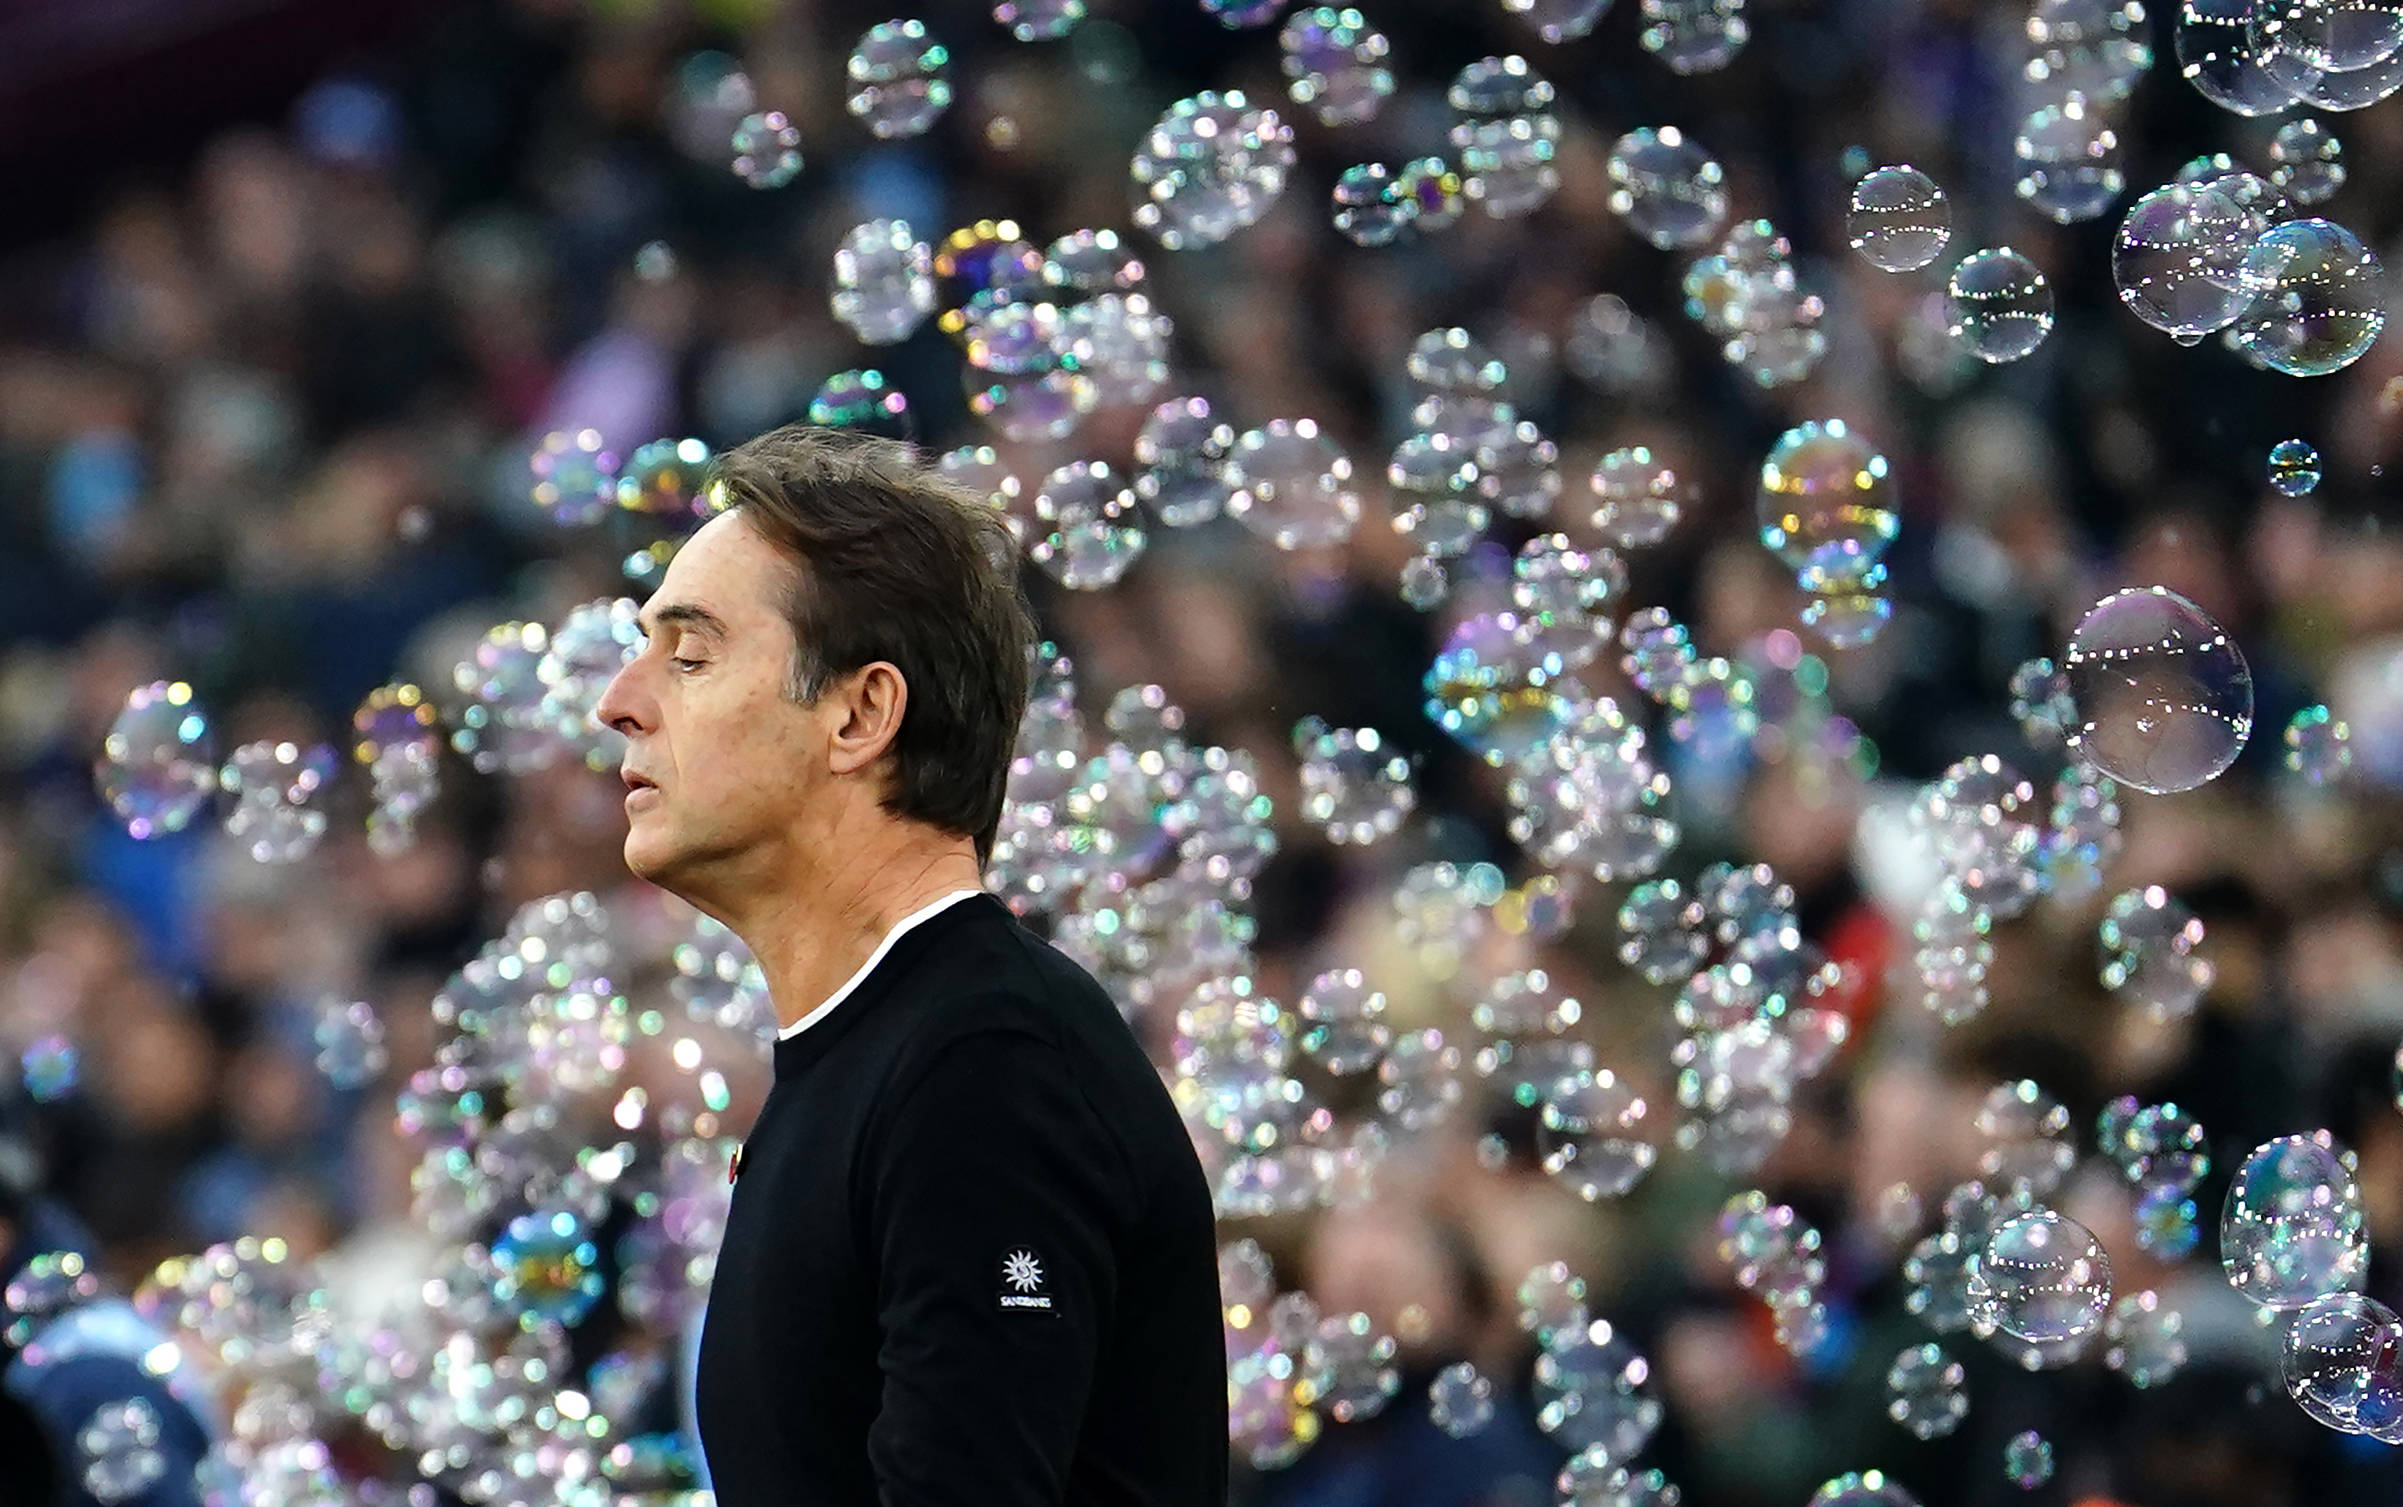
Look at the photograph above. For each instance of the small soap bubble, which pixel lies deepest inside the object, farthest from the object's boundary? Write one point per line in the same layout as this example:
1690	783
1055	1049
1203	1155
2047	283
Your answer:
1667	188
2319	746
2294	467
2146	1342
1694	36
2164	697
1998	306
1460	1401
2068	160
1826	505
767	150
2040	1277
2343	1365
861	399
349	1036
1292	485
2318	299
1371	207
1212	164
1637	499
1337	64
1899	219
2028	1460
2310	161
2177	257
575	477
896	72
1927	1391
156	768
1039	20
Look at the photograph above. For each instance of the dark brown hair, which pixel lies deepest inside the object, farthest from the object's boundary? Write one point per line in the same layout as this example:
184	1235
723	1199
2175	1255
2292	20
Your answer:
896	563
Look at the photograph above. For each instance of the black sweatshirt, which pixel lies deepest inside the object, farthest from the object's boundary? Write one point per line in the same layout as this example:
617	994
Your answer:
971	1260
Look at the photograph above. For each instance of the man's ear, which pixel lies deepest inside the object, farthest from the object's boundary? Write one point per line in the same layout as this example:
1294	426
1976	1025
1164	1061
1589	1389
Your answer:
869	704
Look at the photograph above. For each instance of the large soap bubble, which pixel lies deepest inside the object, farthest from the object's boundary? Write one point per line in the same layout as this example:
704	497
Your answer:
2319	299
2164	698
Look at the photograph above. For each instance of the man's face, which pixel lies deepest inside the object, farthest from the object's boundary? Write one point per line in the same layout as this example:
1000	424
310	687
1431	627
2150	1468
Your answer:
719	761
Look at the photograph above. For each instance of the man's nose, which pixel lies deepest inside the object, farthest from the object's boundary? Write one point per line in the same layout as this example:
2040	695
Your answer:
619	706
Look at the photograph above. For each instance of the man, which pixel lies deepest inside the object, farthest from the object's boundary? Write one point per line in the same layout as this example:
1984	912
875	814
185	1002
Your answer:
971	1256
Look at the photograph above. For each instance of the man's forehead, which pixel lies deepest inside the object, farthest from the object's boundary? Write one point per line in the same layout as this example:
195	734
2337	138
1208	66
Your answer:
722	574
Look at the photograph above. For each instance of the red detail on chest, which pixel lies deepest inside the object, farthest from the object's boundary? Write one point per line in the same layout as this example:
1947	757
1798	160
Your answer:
734	1166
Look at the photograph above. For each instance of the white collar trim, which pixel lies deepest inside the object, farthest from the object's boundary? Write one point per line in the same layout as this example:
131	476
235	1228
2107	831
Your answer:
874	958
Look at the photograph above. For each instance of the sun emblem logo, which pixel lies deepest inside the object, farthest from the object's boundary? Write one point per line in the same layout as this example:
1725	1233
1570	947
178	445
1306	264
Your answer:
1022	1271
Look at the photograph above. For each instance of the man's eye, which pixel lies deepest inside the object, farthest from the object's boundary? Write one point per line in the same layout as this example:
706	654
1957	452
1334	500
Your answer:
687	665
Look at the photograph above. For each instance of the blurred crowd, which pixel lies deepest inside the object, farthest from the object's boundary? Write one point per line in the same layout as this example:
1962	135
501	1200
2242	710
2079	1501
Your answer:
264	425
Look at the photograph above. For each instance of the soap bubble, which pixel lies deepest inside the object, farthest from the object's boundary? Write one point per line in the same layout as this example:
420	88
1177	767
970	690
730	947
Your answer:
2336	36
2319	299
860	399
767	150
349	1036
2310	161
2068	161
2026	1134
1370	207
1998	307
1337	64
1353	786
2216	55
2165	700
1899	220
575	477
1668	189
2028	1460
2092	50
1346	1031
1292	486
117	1448
1862	1488
1559	20
1210	166
1039	20
1826	504
2146	1339
2040	1277
1927	1391
1183	450
883	282
2319	746
2343	1364
1694	36
2292	1229
1585	1132
1637	500
2148	941
2177	259
2294	467
1095	533
898	87
156	769
1460	1401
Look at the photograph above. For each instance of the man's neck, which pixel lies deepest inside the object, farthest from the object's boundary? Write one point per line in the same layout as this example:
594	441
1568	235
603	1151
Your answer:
811	945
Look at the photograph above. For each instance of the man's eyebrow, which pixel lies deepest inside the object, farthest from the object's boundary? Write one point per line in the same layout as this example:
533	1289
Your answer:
685	614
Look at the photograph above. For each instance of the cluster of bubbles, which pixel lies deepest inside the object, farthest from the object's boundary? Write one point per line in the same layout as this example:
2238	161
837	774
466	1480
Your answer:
585	1074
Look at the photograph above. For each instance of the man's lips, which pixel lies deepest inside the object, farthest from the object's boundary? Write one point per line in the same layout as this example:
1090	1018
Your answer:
635	781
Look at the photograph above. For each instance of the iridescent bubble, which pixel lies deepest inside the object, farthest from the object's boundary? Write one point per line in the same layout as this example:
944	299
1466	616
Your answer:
1899	220
1927	1391
1848	619
1436	190
2294	467
662	479
1032	406
2319	299
2165	700
1039	20
2167	1222
1507	165
2147	1344
1096	533
1559	20
2068	161
1668	189
1694	36
1346	1031
1637	499
2027	1460
349	1037
2319	746
1092	261
575	477
1862	1488
47	1285
2166	1148
1337	64
2343	1364
2148	940
2087	49
1590	1391
1183	450
1235	15
156	768
2177	260
2310	161
883	281
2041	1277
1371	208
1210	166
1998	306
1355	787
1292	486
1663	930
2292	1229
547	1267
767	150
1586	1137
1460	1400
896	72
980	471
117	1451
2332	35
278	791
2027	1149
2217	56
1826	505
860	399
1121	342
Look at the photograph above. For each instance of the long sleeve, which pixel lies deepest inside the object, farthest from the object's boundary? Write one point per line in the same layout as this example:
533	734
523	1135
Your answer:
992	1198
